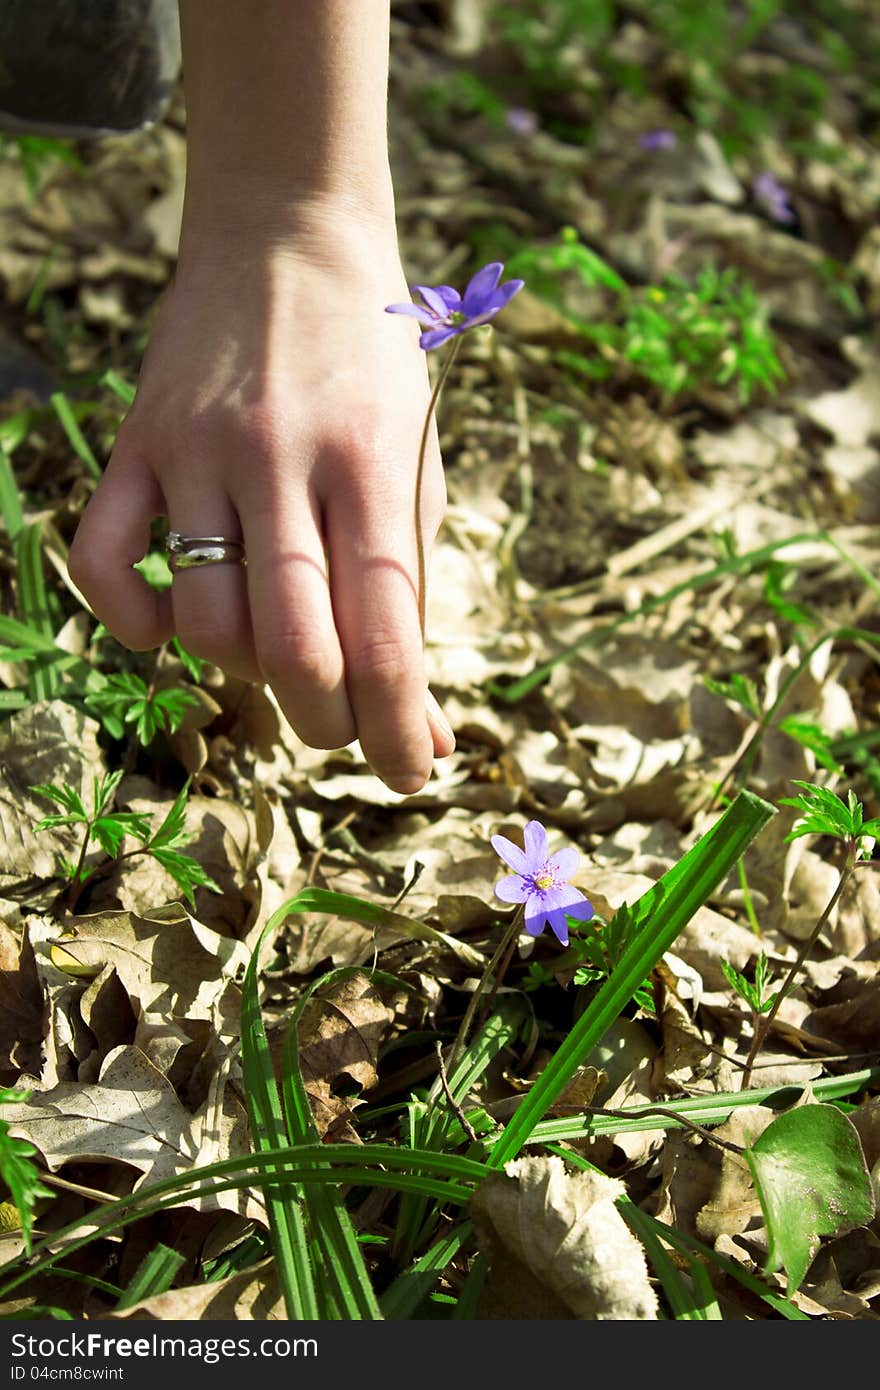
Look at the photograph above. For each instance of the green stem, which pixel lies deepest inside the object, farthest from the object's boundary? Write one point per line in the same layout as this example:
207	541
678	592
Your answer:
420	471
505	945
762	1027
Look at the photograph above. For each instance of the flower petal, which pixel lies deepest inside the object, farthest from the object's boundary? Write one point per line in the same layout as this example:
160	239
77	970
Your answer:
510	853
535	917
433	299
513	889
480	287
563	863
413	311
505	292
537	847
450	296
558	926
568	899
435	336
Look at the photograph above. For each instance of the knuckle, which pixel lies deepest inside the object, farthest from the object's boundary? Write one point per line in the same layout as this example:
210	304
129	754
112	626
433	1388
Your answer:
382	661
299	656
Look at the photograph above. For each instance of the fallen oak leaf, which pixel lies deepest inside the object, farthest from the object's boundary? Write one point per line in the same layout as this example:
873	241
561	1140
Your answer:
559	1236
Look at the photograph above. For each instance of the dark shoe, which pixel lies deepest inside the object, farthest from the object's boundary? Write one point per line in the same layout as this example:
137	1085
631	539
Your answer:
83	68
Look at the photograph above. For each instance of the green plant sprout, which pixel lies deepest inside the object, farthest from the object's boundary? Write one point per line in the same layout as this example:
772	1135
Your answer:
822	812
678	336
602	946
127	699
109	829
754	992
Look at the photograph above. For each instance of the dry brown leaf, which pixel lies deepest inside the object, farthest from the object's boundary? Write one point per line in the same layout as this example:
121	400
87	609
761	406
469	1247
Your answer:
131	1116
541	1225
252	1294
339	1035
706	1190
50	741
22	1006
168	962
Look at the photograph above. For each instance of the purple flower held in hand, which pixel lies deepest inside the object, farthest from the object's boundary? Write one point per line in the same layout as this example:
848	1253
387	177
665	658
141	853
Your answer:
541	882
448	313
770	194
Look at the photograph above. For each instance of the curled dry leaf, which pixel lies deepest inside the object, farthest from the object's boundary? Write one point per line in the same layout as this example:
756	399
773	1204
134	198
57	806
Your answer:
252	1294
559	1237
339	1035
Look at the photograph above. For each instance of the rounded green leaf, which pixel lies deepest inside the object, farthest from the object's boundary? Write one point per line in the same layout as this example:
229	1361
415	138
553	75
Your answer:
812	1181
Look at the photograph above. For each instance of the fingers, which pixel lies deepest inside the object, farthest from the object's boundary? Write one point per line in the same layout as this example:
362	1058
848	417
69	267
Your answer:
211	611
377	616
113	534
295	633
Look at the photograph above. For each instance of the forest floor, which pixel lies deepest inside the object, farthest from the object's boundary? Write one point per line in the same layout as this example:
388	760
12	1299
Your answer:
645	596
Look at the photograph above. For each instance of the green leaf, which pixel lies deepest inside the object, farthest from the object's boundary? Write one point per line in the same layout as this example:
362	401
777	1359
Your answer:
77	440
812	1181
173	830
193	665
64	795
110	831
187	873
825	813
17	1170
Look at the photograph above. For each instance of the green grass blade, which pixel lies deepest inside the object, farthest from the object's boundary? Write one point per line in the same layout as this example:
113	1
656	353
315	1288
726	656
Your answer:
119	386
10	498
78	442
154	1275
375	915
687	1304
701	1110
446	1177
400	1299
283	1201
437	1127
33	604
690	1245
661	914
343	1261
468	1300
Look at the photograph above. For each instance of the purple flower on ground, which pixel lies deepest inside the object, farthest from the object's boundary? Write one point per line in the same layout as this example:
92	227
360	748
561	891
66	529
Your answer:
448	313
772	196
540	880
658	140
520	120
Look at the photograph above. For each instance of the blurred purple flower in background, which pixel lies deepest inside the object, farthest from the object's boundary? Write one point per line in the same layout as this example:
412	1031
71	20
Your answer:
520	120
773	197
658	140
541	882
448	313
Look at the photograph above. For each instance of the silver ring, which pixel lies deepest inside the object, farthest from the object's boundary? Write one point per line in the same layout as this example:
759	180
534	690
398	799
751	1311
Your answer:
189	552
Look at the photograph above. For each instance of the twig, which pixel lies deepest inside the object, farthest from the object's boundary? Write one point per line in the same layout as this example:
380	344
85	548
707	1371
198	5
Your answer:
453	1103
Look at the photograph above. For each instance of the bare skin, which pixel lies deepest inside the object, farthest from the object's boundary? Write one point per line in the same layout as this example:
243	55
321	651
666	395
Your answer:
277	401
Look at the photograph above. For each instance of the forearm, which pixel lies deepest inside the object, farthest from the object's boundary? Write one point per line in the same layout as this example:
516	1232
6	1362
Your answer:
286	106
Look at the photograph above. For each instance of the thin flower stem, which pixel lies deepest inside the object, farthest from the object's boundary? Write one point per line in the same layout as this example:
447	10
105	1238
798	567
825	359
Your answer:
420	471
506	944
747	897
762	1025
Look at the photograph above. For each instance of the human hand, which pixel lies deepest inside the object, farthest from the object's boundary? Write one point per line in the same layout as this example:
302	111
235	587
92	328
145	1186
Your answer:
280	404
